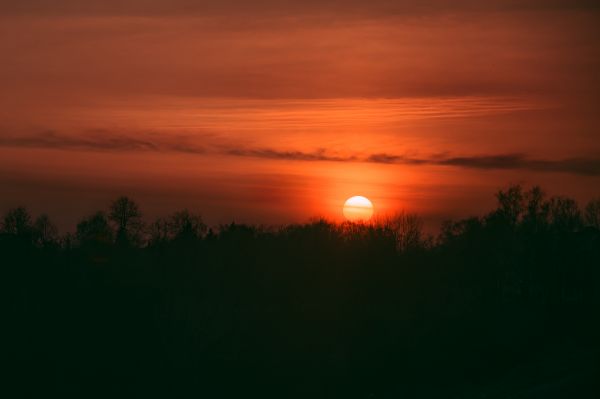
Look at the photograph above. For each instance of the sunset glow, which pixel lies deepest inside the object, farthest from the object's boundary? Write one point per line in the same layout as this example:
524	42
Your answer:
272	113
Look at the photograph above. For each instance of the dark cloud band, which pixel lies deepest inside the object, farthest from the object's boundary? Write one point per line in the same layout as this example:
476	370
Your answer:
100	141
578	166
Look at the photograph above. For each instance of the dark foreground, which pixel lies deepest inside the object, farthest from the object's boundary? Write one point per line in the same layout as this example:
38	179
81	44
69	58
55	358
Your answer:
502	306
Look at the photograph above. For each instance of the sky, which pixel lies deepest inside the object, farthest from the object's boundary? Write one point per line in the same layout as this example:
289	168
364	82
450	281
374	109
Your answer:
274	112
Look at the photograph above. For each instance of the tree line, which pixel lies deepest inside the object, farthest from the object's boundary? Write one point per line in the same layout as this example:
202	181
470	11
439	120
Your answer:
123	224
500	305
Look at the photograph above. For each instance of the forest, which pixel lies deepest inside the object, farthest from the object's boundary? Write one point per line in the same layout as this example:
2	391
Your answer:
502	305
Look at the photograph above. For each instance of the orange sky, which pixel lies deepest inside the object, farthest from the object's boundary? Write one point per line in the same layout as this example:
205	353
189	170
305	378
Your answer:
276	113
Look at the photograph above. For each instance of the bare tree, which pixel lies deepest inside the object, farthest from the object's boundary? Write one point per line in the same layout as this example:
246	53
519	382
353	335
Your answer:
536	210
564	214
158	232
44	231
126	216
185	225
407	229
592	213
17	222
511	204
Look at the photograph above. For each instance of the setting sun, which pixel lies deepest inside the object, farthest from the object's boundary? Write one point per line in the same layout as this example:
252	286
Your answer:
358	208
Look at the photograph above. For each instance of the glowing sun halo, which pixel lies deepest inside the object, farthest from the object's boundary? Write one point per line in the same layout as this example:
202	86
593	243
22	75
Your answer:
358	208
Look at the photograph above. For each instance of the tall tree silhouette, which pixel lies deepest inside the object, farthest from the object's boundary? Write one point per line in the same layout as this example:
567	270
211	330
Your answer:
510	205
126	216
535	216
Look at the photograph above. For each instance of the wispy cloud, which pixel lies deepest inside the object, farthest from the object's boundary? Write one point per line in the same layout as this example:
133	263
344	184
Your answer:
98	140
393	158
576	165
103	141
318	155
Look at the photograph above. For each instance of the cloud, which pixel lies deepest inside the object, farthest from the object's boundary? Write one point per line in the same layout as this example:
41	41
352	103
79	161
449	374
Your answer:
52	139
99	140
392	158
503	161
578	166
318	155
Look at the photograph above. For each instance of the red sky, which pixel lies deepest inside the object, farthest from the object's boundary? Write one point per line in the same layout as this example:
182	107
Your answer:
278	111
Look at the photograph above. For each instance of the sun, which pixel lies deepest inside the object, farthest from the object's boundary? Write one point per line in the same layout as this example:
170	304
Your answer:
358	209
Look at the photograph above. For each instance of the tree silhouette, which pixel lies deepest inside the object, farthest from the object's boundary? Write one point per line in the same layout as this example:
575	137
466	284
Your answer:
564	214
17	222
126	216
17	225
592	213
184	225
536	209
159	232
94	231
408	231
44	231
510	204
